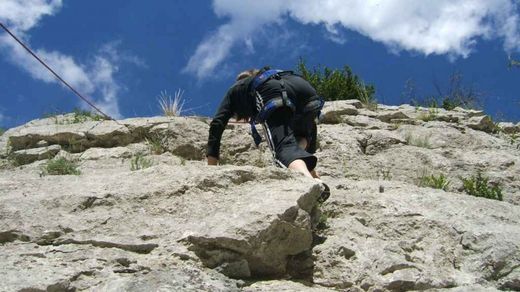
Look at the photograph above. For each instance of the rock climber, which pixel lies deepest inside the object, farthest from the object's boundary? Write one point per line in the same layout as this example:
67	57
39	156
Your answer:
286	106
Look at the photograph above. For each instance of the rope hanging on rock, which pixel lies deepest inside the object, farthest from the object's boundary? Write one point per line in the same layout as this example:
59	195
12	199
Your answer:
91	104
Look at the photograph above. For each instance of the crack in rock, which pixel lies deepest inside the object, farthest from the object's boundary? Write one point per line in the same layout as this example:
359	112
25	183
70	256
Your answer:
137	248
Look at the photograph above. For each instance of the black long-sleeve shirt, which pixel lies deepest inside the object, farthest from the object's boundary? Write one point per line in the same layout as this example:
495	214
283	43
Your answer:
238	102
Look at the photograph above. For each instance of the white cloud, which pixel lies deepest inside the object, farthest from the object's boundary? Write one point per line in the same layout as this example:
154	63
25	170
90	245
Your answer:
22	15
92	78
442	27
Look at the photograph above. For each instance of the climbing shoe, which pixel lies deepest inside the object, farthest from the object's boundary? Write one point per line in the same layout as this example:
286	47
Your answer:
325	194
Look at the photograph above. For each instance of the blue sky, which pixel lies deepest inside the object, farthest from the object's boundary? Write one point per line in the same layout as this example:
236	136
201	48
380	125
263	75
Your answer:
123	53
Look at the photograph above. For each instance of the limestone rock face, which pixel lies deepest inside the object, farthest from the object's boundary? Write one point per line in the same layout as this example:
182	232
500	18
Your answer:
410	238
482	123
34	154
332	111
147	213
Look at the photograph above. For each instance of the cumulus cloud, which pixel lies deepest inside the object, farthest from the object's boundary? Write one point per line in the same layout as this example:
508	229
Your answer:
94	77
22	15
442	27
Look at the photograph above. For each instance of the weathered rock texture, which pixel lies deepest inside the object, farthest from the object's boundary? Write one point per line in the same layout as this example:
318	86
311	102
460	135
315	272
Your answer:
180	225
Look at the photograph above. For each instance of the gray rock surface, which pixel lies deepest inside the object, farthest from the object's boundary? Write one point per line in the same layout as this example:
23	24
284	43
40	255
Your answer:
179	225
34	154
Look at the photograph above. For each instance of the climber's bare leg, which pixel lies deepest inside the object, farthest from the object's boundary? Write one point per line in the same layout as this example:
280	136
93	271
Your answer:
302	142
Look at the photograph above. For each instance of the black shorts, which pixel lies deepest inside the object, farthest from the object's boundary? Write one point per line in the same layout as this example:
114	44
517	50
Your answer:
285	126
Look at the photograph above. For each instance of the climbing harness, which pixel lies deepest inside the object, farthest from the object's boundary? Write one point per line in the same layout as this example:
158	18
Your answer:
263	111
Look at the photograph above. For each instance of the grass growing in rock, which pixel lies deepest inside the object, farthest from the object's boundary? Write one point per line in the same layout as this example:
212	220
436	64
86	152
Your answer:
478	185
139	162
437	182
418	141
457	94
513	140
429	116
156	144
61	166
171	106
76	117
81	116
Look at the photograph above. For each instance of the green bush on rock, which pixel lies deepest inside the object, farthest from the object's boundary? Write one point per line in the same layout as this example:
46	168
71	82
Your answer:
334	84
60	166
479	186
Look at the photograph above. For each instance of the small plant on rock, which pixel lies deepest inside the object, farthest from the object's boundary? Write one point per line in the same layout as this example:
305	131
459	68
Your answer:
437	182
139	162
81	116
171	107
455	95
366	97
430	115
60	166
156	144
478	185
322	223
513	139
418	141
2	131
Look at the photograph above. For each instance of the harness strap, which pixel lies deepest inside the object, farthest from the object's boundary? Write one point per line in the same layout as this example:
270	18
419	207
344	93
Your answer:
264	76
263	111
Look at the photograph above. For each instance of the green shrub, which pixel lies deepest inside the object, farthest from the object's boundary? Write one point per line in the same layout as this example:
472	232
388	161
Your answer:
334	84
478	186
60	166
156	144
513	138
81	116
2	131
140	162
437	182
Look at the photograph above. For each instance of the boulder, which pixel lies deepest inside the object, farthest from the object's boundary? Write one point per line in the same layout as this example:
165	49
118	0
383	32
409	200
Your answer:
364	122
76	137
469	113
276	228
333	112
22	157
481	123
509	128
388	117
104	153
416	239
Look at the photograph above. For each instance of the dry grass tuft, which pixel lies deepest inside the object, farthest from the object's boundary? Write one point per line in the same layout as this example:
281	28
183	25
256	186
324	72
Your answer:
171	107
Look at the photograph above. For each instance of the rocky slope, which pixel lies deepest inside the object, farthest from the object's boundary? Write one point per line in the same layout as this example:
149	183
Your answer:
179	225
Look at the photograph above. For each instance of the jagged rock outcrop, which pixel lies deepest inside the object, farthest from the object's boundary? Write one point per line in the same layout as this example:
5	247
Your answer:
175	224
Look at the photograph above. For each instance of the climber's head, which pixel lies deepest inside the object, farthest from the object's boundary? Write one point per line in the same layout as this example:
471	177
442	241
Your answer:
247	73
